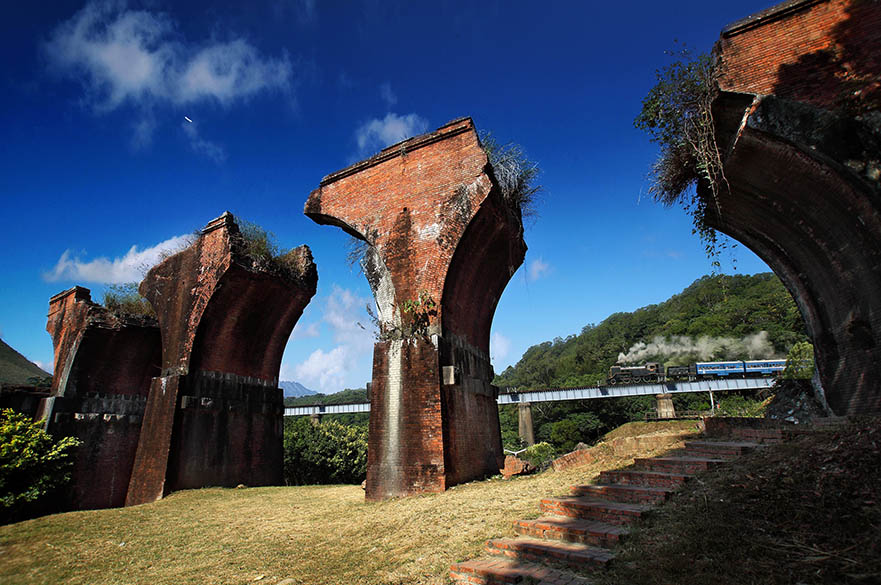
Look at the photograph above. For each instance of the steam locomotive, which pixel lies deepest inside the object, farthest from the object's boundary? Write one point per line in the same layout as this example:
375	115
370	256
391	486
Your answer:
654	372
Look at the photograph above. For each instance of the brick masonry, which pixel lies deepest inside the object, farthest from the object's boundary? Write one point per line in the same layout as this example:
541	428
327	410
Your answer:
797	123
104	363
214	414
436	227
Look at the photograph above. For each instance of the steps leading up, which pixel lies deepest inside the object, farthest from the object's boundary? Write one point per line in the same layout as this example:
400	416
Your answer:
498	570
719	449
588	508
572	530
579	530
646	478
637	494
576	555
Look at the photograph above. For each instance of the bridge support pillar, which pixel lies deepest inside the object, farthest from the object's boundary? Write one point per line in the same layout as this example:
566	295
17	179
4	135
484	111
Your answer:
441	244
664	406
524	426
214	414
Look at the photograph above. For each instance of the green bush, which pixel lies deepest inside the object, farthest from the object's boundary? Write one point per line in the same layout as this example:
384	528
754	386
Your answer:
799	362
124	299
33	466
327	452
538	454
740	406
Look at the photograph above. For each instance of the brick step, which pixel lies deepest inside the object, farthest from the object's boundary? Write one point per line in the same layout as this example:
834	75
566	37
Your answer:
571	529
677	464
719	449
587	508
759	435
501	570
580	556
646	478
637	494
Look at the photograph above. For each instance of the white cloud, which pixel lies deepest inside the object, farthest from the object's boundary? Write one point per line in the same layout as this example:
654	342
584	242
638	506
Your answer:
128	268
126	56
45	366
333	370
537	269
500	347
325	371
377	134
387	95
199	145
302	331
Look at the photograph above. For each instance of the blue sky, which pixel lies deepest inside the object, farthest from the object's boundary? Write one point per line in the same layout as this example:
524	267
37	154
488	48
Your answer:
100	171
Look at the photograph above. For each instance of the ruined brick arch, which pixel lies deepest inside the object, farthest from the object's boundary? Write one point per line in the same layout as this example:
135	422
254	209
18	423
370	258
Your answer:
489	251
817	225
256	312
436	225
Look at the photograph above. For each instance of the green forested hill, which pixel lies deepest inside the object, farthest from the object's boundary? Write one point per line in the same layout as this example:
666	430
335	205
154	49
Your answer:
716	317
16	369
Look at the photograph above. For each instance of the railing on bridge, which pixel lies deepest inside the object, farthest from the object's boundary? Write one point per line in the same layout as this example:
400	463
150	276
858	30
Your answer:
587	393
327	409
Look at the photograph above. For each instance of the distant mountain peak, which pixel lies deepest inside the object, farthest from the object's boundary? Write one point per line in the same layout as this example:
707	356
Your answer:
295	389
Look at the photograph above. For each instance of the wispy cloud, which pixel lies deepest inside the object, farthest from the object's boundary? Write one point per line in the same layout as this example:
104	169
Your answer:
537	269
387	95
378	133
128	268
303	331
136	57
499	348
201	146
331	371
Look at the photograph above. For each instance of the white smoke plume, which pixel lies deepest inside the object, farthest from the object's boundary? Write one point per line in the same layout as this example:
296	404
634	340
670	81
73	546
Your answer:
682	348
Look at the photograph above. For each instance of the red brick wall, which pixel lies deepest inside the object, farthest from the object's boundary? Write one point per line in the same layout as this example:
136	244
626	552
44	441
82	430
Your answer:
818	52
214	417
104	364
437	225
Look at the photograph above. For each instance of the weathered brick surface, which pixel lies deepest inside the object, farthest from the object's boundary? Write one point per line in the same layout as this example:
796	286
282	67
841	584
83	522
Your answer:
825	52
437	227
103	365
214	416
802	162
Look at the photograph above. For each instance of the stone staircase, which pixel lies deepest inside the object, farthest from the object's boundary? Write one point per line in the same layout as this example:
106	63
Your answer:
576	533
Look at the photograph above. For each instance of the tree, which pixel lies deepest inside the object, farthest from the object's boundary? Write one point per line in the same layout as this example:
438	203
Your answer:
799	362
33	466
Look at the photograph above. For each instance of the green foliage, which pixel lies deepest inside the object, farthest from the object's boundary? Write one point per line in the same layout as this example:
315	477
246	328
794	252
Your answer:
347	396
515	174
539	454
418	313
261	248
327	452
735	405
124	299
713	306
33	466
677	114
799	362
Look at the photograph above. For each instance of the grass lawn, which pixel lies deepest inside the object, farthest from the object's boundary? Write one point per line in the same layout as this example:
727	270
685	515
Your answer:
290	535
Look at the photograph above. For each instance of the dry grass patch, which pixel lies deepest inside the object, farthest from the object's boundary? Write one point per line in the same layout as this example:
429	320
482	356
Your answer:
310	535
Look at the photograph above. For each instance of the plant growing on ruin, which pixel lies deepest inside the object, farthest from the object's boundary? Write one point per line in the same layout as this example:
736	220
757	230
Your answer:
33	466
677	114
417	314
261	248
124	299
515	174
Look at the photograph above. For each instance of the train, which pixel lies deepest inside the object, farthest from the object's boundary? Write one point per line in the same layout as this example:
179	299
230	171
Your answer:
653	372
